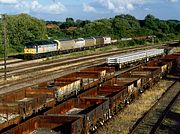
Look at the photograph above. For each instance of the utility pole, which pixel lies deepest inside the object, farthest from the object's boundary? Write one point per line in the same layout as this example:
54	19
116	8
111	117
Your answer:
5	44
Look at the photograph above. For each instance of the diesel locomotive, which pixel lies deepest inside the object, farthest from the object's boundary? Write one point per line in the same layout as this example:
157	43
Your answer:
47	48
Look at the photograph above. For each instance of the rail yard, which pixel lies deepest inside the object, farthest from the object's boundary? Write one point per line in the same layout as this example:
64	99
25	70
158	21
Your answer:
83	95
27	69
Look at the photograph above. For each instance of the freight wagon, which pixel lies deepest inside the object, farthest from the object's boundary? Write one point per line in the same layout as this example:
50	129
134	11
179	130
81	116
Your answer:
164	65
145	75
79	43
65	45
129	58
175	59
21	104
87	80
94	111
93	106
72	84
105	72
90	42
132	86
62	88
50	124
25	102
117	96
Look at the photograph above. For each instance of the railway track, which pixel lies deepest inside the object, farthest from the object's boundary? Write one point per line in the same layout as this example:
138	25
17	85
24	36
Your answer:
49	69
66	69
10	61
170	124
33	80
18	74
152	119
15	68
69	70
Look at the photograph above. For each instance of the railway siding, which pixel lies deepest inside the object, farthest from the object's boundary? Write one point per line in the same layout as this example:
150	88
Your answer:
124	121
67	83
47	77
171	123
149	123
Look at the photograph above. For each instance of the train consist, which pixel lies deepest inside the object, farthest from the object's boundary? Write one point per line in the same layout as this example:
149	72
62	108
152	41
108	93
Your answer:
39	49
127	58
96	93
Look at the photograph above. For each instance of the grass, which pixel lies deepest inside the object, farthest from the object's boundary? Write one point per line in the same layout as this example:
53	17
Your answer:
177	49
83	53
128	117
176	110
169	122
92	51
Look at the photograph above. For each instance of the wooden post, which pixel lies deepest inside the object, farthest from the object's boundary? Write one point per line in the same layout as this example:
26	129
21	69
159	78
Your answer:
5	45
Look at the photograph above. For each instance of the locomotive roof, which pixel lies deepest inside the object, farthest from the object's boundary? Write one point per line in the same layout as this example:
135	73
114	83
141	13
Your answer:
43	42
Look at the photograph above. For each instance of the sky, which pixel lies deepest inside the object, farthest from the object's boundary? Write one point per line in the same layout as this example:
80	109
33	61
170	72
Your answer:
58	10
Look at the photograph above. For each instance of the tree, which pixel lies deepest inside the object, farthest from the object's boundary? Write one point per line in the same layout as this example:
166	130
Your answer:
172	26
163	26
150	22
24	28
120	25
177	28
81	23
69	20
69	23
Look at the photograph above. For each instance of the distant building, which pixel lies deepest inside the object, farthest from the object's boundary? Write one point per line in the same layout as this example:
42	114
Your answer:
52	26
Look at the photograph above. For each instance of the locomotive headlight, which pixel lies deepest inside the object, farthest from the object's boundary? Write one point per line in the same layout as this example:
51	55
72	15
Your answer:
29	51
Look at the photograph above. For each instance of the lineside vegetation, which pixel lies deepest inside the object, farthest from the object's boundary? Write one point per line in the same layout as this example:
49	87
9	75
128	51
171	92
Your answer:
23	28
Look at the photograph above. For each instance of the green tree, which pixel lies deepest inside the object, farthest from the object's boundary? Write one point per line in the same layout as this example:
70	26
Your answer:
177	28
150	22
71	20
120	25
24	28
162	25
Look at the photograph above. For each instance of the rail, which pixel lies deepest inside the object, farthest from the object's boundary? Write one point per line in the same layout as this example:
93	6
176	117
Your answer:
151	120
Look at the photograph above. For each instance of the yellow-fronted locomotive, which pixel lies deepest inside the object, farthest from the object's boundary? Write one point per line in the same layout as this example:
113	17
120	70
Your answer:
46	48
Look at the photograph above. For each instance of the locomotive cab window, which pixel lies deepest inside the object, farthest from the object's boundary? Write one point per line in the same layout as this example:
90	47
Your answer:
29	46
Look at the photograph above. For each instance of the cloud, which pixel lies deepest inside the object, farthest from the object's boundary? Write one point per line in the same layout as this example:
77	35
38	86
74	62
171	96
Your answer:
55	8
8	1
26	6
173	1
88	8
147	9
120	6
116	6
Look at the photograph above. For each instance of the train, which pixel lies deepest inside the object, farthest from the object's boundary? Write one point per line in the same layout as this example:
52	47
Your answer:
89	109
96	95
46	48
